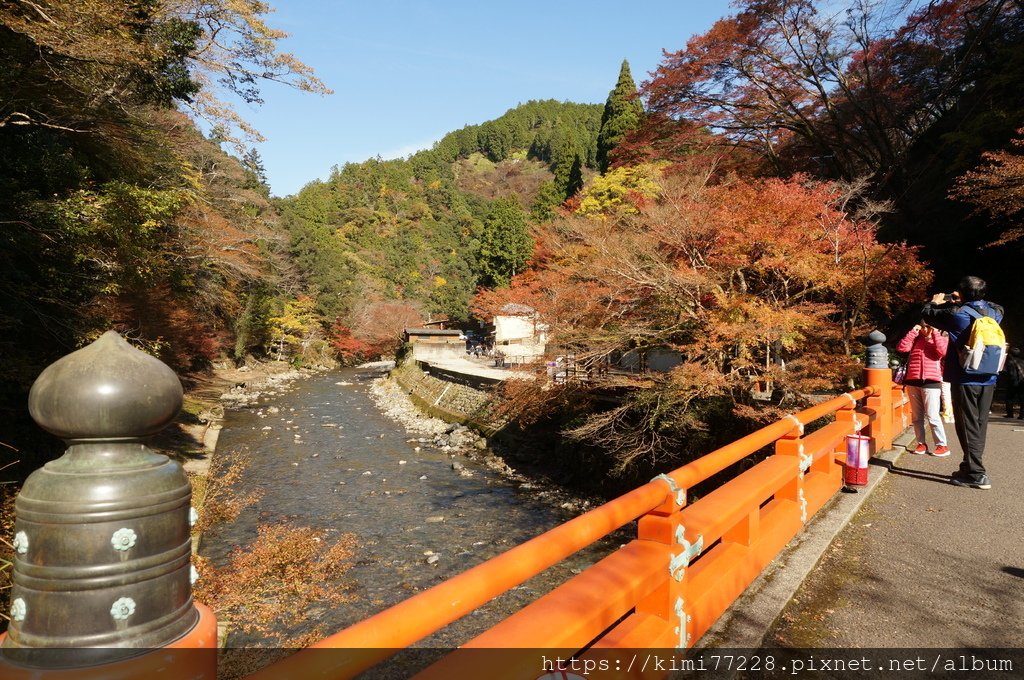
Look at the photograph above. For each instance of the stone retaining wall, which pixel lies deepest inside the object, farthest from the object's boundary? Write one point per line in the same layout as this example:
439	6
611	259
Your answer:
445	399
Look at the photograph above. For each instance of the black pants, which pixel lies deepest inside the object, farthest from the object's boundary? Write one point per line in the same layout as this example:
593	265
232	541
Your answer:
971	404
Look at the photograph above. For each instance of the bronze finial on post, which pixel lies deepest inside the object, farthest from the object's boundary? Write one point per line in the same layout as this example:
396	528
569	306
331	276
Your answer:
877	374
877	353
102	567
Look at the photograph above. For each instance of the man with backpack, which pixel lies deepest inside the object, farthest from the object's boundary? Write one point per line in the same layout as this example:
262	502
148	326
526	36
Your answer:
970	370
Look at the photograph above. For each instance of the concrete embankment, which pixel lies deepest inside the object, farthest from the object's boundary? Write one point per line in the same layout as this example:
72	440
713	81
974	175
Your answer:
448	395
446	434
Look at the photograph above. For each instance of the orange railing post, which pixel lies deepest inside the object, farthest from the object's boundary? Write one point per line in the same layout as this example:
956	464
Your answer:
664	525
791	444
900	408
191	657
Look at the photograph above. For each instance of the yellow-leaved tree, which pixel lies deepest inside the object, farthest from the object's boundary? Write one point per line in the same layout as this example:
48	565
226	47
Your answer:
624	189
296	334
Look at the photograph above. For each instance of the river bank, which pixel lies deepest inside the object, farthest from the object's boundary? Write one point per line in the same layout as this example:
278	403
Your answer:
395	401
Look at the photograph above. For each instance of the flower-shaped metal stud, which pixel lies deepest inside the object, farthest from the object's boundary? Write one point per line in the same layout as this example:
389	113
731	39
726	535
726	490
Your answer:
21	543
123	539
123	608
193	516
18	609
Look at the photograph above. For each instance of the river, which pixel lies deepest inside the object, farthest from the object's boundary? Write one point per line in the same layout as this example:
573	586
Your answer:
328	458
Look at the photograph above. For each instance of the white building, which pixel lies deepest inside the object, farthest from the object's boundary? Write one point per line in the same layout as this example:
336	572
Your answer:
519	332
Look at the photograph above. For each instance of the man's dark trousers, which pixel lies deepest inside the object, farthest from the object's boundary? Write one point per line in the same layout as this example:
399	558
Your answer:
971	404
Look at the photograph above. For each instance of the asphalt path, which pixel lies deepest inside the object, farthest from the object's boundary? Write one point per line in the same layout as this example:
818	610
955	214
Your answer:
923	563
478	366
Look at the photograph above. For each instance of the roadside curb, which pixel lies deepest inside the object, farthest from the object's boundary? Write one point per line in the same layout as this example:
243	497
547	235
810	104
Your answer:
746	623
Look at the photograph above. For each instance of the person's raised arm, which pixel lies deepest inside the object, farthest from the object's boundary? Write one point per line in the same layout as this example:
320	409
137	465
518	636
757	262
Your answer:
907	342
940	310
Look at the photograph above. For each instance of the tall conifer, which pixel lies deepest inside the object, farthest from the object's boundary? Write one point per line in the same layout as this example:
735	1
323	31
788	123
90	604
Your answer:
622	113
568	163
506	244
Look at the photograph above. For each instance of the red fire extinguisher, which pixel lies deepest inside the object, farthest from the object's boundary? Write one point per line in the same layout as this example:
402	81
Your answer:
858	451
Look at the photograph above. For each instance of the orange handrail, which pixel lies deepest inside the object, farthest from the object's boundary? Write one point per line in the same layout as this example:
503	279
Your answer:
379	637
701	469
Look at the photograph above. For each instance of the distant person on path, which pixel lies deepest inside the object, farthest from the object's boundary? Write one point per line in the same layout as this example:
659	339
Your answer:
972	394
927	349
1014	372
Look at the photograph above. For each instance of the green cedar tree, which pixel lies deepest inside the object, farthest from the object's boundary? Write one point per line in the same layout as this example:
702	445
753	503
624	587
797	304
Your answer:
568	165
622	113
506	244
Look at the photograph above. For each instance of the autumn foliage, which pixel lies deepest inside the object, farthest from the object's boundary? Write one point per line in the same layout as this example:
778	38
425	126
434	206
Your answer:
752	282
803	85
267	587
350	349
996	186
297	565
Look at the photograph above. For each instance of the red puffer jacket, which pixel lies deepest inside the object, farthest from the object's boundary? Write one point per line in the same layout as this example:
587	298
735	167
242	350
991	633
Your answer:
926	354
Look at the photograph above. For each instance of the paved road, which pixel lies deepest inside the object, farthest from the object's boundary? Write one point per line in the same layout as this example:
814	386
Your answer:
479	366
923	563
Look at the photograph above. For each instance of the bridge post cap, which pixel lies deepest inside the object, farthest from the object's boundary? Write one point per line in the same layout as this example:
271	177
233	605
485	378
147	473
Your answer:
106	390
877	356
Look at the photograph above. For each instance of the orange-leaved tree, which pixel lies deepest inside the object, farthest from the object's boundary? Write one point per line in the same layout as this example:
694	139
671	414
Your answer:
350	349
803	84
996	187
381	324
747	282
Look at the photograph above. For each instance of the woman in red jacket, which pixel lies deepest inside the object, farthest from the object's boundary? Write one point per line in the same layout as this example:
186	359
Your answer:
927	347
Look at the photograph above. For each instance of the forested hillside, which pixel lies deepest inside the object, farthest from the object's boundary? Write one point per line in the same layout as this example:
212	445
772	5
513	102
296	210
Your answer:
430	229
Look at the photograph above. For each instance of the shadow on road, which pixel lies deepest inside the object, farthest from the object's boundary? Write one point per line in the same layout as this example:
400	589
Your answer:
938	477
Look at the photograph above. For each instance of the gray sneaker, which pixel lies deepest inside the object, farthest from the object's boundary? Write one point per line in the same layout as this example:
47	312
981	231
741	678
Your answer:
982	482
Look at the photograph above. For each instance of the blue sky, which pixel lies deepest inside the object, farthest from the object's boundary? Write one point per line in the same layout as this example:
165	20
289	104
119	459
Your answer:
406	72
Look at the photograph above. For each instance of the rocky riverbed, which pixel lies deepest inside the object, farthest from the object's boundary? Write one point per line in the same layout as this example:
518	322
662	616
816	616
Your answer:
249	384
254	387
347	452
459	440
